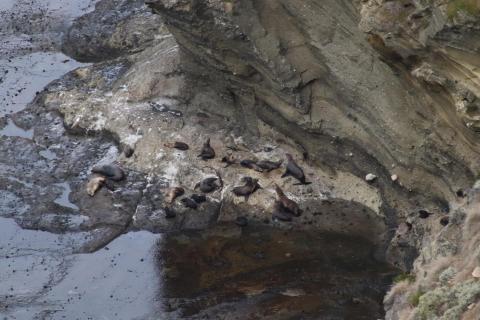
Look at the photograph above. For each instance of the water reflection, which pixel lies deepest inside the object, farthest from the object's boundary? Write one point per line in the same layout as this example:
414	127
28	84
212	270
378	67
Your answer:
264	273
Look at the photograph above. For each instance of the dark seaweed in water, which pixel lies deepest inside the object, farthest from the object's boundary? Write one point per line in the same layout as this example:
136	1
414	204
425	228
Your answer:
259	272
165	109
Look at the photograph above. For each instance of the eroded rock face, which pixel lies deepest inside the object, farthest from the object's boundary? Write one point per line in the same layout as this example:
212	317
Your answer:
113	29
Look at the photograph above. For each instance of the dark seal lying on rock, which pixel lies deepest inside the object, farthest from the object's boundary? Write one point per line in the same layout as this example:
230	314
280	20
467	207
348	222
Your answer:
251	185
177	145
110	171
268	165
189	203
251	164
207	185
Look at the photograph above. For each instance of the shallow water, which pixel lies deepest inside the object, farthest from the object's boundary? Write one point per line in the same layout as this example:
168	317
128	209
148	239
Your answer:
40	274
12	130
263	273
63	199
28	74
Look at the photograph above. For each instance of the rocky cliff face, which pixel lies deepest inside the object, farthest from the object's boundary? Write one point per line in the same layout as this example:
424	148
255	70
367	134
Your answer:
382	87
350	88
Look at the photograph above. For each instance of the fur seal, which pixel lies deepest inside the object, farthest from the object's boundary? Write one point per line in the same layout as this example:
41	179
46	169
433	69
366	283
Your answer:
251	185
287	203
279	212
169	213
189	203
229	159
94	185
110	171
294	170
198	198
173	193
128	151
268	165
177	145
207	151
207	185
251	164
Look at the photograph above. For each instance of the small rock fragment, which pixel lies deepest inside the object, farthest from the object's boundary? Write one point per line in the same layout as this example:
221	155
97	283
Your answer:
291	292
370	177
394	177
476	272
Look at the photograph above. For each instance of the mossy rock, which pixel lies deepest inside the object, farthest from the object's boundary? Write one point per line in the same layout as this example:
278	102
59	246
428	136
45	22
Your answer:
471	7
447	303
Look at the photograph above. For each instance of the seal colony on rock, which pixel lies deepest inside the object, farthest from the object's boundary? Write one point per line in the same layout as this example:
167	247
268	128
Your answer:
294	170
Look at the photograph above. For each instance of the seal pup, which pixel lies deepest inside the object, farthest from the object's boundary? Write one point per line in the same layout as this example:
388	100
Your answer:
279	212
294	170
207	185
268	165
189	203
198	198
251	164
229	159
251	185
110	171
94	184
207	151
173	193
287	203
177	145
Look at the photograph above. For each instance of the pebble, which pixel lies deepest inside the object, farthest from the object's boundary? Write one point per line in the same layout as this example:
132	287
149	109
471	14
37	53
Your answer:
476	272
394	177
291	292
370	177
